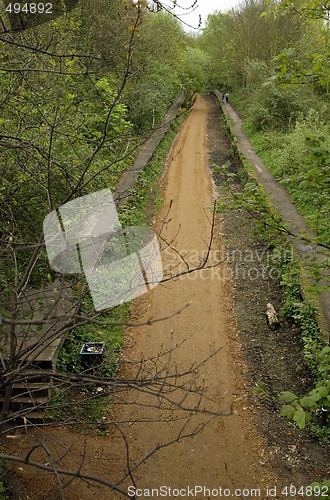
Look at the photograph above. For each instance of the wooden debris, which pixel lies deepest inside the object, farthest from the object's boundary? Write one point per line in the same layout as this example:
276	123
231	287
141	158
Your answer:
272	316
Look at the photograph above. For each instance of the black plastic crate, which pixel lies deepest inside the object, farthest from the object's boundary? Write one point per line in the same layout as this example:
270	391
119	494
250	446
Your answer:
92	352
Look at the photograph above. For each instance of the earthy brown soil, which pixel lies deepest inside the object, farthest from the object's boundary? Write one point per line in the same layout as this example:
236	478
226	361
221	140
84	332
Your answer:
207	325
224	325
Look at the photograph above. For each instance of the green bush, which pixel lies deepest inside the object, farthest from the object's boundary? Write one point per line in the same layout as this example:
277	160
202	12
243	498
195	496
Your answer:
300	161
273	107
312	409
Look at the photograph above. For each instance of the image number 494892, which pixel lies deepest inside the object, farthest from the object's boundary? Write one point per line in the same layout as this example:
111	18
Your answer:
26	14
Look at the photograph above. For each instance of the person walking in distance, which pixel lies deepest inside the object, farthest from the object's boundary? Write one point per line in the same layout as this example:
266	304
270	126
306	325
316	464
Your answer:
227	97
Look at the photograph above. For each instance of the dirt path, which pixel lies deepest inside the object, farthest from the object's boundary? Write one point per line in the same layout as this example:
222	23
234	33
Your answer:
207	325
229	453
128	178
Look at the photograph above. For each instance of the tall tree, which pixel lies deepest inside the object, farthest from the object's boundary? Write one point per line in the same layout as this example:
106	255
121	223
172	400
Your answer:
243	35
66	132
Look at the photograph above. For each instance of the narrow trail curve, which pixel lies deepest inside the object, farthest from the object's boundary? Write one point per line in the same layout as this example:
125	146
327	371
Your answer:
207	325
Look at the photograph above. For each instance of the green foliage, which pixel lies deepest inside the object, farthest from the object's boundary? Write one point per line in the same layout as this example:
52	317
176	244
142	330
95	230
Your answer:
68	110
69	360
194	70
272	107
312	68
300	161
321	490
243	36
300	409
160	85
313	9
60	126
308	62
302	312
155	81
313	408
276	64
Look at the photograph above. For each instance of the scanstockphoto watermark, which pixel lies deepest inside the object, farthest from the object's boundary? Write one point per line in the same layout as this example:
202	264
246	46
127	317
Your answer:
291	491
225	264
193	492
85	236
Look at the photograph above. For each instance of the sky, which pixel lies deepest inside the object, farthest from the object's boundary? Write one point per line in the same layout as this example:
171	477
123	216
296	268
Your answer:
204	8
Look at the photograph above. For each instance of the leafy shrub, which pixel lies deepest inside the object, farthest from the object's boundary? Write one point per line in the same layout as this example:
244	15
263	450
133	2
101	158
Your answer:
313	408
300	160
300	409
321	490
69	361
295	155
273	107
302	165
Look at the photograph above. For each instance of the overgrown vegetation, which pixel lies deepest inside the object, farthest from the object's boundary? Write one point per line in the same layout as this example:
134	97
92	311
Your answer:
312	410
273	58
76	104
299	159
279	80
144	201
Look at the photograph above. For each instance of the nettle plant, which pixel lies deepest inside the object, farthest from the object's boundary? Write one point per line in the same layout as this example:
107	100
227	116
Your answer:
316	402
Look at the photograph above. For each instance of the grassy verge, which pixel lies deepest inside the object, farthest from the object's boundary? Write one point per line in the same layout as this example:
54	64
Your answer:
145	198
312	410
298	156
